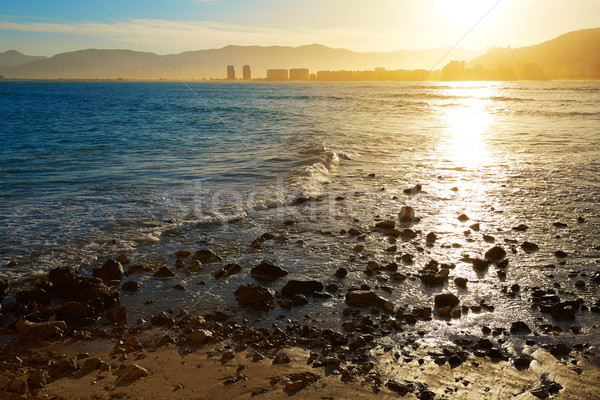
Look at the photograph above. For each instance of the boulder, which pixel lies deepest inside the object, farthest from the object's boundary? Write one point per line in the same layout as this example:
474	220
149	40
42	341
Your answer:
495	254
446	300
463	218
364	298
266	270
73	309
294	287
206	256
111	270
63	277
117	314
431	237
255	296
182	253
343	272
31	331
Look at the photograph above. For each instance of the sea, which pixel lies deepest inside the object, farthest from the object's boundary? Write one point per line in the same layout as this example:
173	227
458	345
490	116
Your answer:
93	170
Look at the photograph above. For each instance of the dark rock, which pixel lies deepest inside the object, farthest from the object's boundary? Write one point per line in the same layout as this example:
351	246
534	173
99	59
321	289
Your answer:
560	350
446	300
255	296
520	228
130	286
461	282
455	361
162	319
111	270
488	239
332	287
117	314
475	227
398	387
431	237
530	247
563	311
294	287
37	296
408	234
74	310
179	286
387	224
560	225
479	263
413	190
495	254
201	336
163	272
522	362
407	214
299	300
122	259
228	270
560	254
266	270
206	256
4	288
182	253
30	331
463	218
282	359
63	277
519	327
595	276
138	269
364	298
343	272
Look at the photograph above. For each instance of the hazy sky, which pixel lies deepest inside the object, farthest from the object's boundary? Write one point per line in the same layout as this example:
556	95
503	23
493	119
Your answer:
44	27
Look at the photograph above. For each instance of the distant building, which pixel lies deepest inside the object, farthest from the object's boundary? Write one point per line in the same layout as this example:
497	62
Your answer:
299	74
277	75
230	73
247	74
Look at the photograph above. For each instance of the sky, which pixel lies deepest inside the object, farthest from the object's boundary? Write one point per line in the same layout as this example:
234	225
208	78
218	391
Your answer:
43	27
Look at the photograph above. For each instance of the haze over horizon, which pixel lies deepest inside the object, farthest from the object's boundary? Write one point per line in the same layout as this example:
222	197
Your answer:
167	27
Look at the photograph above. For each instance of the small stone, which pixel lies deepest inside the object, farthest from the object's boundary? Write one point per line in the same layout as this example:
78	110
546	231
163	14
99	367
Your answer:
130	286
580	284
413	190
228	270
206	256
407	214
530	247
463	218
179	286
446	299
182	253
522	362
341	272
117	314
461	282
520	228
179	263
111	270
135	372
4	381
519	327
387	224
122	259
266	270
294	287
431	237
475	227
163	272
281	359
299	300
495	254
201	336
560	254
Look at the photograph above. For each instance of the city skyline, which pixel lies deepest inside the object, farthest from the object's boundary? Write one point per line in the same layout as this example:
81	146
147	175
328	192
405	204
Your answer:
40	28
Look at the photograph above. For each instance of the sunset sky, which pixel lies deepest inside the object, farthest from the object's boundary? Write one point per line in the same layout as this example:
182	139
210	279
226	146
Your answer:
42	27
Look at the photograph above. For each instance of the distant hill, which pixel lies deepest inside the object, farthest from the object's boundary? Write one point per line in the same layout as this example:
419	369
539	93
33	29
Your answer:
574	55
13	58
112	64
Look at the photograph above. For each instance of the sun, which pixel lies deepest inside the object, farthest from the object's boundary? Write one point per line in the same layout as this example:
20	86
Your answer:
465	13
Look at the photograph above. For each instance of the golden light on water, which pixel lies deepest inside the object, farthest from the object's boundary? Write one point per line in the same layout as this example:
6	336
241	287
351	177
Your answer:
466	119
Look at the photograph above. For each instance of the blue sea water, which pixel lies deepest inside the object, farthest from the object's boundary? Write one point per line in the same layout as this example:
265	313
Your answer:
90	170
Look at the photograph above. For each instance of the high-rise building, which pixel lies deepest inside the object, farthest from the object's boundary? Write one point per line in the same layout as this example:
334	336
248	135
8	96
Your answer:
230	73
277	75
247	74
299	74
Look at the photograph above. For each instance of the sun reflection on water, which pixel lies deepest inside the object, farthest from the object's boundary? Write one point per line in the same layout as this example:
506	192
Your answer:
466	121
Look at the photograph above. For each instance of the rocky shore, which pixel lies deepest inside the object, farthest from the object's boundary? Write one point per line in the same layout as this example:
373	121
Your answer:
69	336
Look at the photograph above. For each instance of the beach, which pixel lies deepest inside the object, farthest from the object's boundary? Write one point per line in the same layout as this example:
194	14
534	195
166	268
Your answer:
319	241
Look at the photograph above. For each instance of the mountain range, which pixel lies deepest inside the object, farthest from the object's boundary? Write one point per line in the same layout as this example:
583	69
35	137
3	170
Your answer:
575	55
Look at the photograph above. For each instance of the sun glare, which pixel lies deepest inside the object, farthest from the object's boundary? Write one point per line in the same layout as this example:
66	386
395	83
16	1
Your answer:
466	125
465	13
